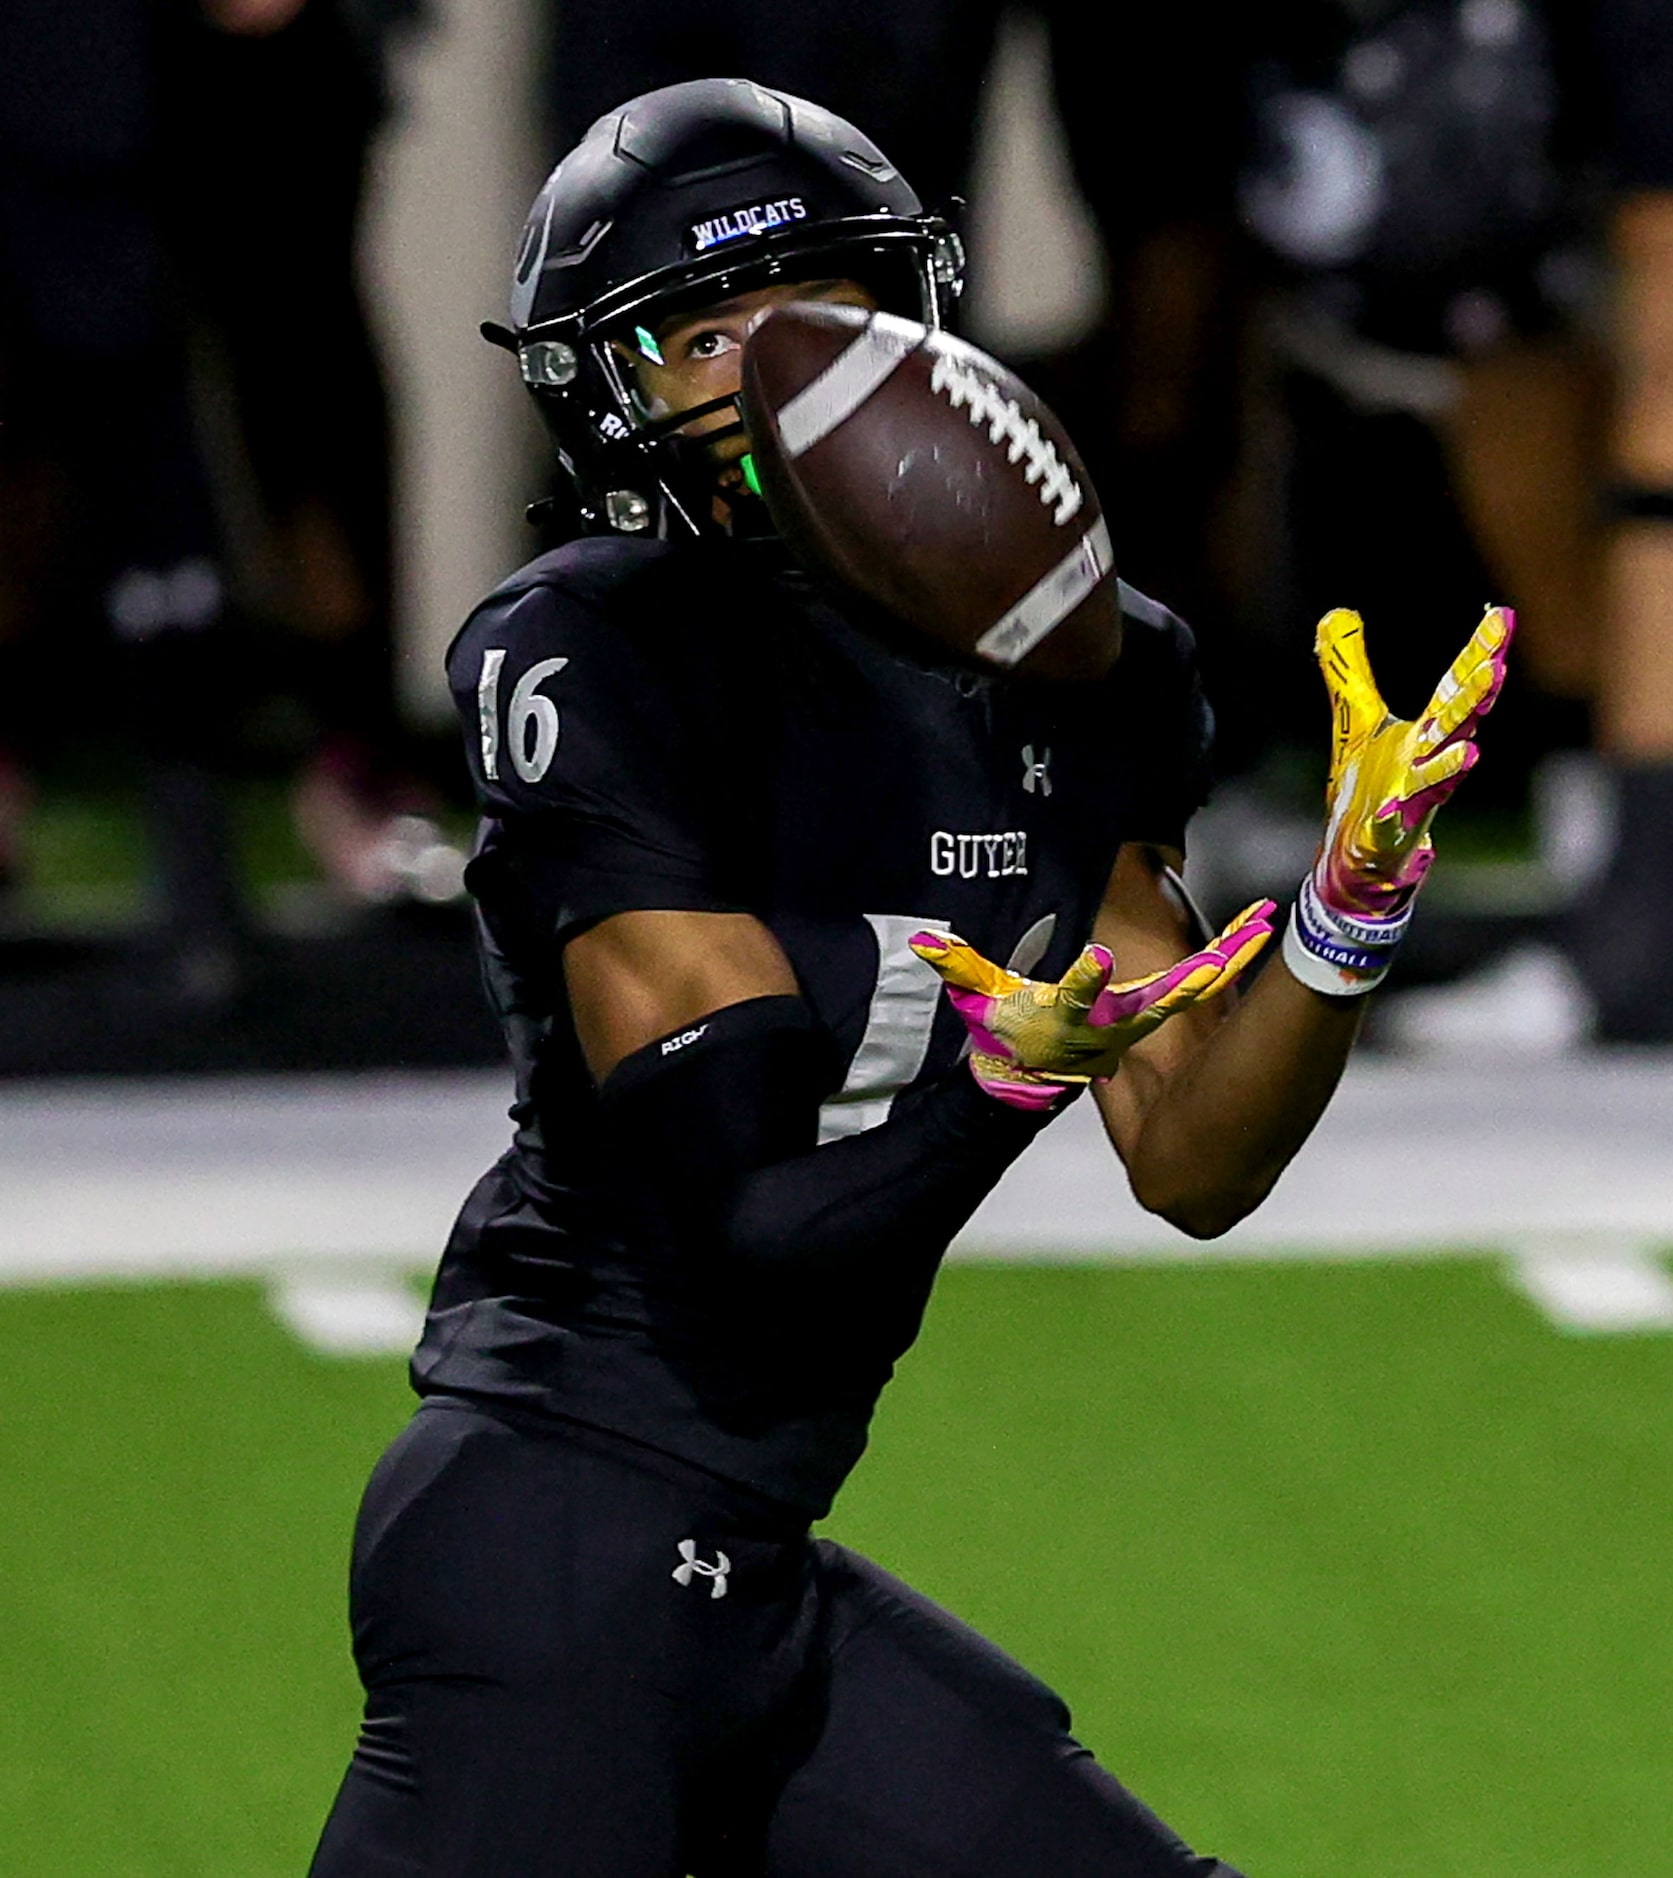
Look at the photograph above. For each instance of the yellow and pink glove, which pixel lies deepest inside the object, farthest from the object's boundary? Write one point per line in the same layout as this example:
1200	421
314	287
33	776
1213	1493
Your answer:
1388	776
1030	1040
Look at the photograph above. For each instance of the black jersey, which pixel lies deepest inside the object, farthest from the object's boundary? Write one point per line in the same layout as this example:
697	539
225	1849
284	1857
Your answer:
691	727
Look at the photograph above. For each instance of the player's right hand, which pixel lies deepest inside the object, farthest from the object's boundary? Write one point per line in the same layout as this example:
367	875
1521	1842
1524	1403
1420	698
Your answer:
1030	1039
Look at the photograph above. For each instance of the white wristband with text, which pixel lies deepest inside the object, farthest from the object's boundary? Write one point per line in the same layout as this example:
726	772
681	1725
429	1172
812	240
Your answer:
1340	954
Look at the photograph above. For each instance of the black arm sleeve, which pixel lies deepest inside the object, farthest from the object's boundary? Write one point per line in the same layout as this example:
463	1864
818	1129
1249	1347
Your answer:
721	1121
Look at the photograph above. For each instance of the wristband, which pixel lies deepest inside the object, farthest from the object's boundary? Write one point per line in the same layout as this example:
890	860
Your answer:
1342	955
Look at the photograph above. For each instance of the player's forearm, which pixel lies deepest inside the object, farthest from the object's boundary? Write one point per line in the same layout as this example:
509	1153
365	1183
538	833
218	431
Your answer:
1216	1134
884	1201
1207	1138
716	1128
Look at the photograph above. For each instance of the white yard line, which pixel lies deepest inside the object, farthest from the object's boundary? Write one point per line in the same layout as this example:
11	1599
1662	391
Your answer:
1590	1285
348	1313
1566	1169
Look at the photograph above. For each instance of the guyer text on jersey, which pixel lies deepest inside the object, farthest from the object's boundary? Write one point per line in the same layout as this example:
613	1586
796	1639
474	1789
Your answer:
978	857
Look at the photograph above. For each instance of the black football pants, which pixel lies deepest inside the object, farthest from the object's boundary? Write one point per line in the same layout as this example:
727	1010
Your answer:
585	1660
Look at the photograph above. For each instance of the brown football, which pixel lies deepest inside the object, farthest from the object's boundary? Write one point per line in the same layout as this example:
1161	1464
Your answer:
912	468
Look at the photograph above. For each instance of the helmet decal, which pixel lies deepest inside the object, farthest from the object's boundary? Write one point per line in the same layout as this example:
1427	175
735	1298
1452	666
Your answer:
754	218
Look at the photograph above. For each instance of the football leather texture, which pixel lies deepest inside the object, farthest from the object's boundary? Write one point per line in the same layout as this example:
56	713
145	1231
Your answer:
911	468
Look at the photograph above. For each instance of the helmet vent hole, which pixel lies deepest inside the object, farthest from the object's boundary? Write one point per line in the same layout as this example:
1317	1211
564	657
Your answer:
875	165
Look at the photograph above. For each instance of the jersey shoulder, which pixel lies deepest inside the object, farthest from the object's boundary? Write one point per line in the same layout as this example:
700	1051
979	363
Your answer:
584	593
588	739
1153	635
563	683
1164	725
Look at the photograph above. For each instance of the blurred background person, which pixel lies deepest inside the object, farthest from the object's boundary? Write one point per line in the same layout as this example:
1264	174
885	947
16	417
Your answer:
1376	273
1419	384
268	112
109	507
195	447
1457	214
1416	201
1616	937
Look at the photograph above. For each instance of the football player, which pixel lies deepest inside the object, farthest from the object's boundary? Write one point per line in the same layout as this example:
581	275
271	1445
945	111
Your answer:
735	853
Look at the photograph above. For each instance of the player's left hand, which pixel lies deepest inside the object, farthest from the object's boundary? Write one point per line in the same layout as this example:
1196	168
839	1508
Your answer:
1030	1039
1388	775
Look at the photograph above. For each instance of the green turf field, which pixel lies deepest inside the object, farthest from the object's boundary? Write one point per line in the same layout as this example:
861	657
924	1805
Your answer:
1347	1569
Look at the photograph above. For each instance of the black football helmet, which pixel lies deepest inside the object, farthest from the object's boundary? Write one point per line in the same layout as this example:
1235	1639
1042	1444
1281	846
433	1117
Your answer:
681	198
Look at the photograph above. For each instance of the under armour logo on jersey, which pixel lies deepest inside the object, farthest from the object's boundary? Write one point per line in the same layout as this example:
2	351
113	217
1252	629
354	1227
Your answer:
691	1566
1035	774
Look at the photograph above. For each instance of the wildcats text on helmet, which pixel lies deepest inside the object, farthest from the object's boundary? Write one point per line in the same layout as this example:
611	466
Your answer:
753	218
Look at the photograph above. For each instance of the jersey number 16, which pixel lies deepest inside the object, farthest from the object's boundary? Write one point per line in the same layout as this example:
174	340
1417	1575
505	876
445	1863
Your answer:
531	720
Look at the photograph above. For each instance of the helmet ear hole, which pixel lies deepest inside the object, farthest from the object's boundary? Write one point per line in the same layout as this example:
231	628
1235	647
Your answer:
627	512
547	363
